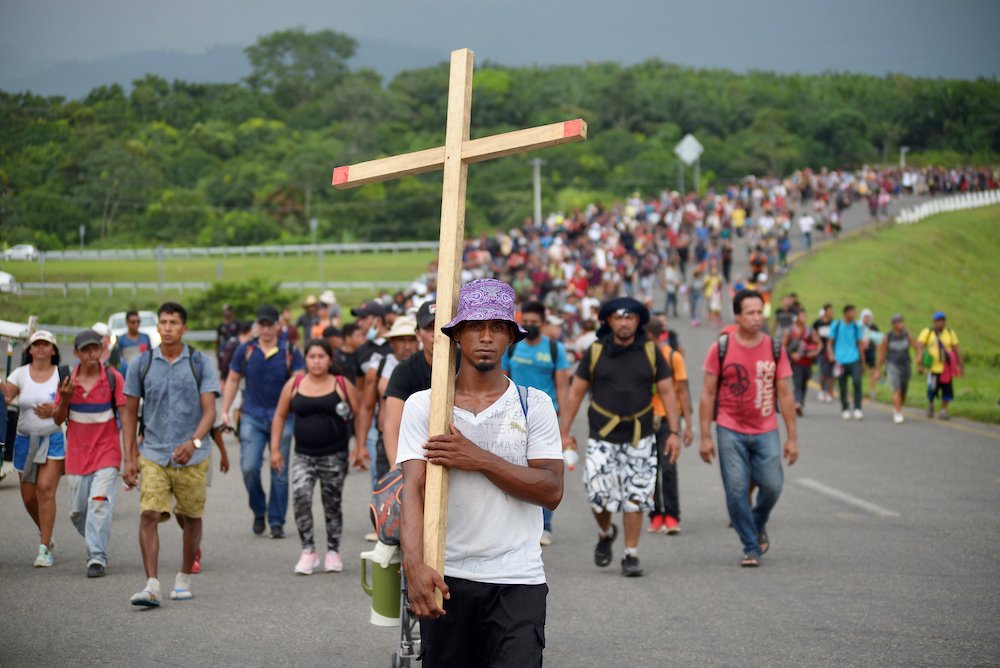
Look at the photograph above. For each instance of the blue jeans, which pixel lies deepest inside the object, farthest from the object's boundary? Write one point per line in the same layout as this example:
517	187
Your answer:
255	440
746	458
371	445
92	501
546	519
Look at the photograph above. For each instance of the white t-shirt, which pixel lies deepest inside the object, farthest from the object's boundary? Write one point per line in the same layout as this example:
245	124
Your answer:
31	394
492	537
807	223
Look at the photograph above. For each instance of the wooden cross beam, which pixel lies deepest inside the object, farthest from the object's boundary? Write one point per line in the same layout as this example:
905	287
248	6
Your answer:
454	158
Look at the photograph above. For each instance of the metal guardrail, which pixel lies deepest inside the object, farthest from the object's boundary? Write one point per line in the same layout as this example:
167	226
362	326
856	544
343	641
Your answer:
951	203
69	331
181	287
239	251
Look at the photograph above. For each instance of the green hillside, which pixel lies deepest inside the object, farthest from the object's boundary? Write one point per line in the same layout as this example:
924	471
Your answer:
948	262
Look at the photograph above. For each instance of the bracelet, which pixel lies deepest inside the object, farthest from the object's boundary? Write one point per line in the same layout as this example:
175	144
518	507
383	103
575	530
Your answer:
675	433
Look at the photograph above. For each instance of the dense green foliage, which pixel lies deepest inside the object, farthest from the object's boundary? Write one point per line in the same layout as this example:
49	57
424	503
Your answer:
250	162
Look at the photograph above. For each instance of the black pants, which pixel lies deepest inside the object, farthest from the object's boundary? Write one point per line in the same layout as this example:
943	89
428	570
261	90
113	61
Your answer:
665	498
852	371
487	625
800	382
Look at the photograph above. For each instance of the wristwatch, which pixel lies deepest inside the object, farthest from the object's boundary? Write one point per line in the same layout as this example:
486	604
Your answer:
197	443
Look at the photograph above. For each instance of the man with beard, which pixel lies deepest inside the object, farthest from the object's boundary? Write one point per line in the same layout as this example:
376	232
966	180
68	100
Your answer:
622	370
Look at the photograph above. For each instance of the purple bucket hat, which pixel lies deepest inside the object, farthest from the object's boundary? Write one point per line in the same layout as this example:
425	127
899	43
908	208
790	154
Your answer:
486	299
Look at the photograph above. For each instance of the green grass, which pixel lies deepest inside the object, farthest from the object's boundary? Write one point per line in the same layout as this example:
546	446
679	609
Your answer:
949	262
347	267
79	309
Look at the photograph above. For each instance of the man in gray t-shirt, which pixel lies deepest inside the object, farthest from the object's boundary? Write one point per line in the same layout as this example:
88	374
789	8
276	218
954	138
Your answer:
178	387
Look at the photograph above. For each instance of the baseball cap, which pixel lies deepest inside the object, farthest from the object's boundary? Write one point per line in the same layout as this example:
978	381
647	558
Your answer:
940	316
42	335
425	314
267	313
372	307
85	338
330	330
897	317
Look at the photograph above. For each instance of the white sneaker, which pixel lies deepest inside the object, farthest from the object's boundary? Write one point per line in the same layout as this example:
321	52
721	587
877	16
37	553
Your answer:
897	418
546	539
821	396
858	415
308	561
333	563
371	537
846	415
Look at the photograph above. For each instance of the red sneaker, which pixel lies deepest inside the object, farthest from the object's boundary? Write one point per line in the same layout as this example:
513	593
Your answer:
671	526
655	524
196	567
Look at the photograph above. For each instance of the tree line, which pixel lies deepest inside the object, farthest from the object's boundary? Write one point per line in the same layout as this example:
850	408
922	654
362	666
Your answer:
250	162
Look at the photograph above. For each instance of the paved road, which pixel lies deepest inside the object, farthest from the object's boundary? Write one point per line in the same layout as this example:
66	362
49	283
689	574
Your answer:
885	552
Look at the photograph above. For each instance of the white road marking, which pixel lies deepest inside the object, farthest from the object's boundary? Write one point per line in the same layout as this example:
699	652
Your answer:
849	499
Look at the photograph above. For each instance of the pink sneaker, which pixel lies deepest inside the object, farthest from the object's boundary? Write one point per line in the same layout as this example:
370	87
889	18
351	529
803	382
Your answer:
332	563
308	561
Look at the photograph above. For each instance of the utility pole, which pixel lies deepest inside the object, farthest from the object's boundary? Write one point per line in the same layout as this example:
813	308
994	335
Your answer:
903	150
537	165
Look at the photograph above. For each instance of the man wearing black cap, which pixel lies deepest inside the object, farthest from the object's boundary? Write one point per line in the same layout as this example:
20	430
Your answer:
622	370
90	402
267	362
370	318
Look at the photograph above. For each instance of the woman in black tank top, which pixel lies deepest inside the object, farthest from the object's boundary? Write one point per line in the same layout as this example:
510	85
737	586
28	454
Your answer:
322	404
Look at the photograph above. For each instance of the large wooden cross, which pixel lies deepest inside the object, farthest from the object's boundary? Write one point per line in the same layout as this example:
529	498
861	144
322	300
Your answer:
454	157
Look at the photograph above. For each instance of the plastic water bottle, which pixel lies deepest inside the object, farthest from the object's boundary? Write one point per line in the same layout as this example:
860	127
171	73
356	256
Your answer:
571	457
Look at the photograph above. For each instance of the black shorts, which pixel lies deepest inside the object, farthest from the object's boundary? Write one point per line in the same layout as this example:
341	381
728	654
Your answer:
490	625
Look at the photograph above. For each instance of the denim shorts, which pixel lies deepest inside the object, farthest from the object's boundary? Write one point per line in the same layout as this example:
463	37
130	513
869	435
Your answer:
57	448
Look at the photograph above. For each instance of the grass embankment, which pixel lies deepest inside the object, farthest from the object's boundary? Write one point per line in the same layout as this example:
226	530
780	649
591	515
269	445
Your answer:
79	309
950	262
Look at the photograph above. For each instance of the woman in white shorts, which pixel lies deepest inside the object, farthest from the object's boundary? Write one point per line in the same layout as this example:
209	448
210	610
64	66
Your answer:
39	449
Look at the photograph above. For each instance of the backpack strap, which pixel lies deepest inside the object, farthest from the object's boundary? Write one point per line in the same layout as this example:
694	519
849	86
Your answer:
296	382
112	384
522	395
596	348
554	354
723	348
195	371
289	358
650	347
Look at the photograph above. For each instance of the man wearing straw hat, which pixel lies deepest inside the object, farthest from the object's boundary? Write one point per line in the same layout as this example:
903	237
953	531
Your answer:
504	453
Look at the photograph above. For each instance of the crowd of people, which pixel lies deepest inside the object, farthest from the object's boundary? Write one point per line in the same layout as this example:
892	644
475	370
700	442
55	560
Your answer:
565	307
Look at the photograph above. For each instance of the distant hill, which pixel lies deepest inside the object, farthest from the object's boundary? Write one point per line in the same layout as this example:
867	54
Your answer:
220	64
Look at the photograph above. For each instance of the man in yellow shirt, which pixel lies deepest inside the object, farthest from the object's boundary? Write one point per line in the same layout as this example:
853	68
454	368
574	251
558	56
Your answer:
666	513
939	356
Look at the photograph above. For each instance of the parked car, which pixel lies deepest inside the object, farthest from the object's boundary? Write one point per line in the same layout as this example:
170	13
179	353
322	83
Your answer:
21	252
7	282
147	325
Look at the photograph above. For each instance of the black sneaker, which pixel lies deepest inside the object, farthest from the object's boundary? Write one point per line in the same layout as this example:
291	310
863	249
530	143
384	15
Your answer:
277	531
631	567
95	570
259	525
602	553
751	560
764	542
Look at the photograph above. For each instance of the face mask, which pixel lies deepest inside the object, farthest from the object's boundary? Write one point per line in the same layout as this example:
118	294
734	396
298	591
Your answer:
533	331
372	333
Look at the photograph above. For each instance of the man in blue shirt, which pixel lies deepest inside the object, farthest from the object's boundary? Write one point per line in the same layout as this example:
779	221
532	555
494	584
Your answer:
266	362
541	363
845	347
178	387
130	344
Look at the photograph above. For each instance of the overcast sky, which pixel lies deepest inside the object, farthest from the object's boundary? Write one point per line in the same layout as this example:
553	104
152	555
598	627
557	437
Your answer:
953	38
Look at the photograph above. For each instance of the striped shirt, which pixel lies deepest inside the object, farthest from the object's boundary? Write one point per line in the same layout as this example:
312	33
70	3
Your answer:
92	434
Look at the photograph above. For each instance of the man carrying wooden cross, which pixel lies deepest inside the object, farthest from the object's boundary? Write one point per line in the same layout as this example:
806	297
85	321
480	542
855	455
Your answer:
505	456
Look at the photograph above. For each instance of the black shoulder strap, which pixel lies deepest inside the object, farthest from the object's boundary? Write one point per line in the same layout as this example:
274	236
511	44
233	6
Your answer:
112	385
723	346
776	351
145	363
554	354
195	371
